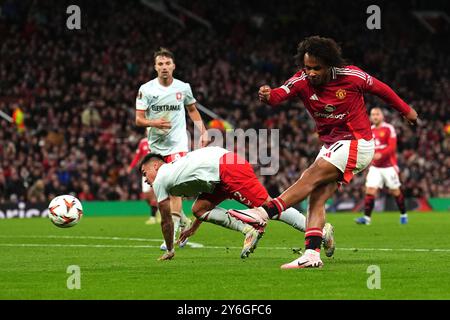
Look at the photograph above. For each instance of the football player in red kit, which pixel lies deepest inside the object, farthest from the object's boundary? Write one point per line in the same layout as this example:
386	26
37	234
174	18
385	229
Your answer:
332	92
383	170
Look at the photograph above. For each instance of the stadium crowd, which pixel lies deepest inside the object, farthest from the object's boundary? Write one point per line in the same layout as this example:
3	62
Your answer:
77	88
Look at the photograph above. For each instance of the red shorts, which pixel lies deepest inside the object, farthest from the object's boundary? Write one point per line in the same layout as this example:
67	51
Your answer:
238	181
173	157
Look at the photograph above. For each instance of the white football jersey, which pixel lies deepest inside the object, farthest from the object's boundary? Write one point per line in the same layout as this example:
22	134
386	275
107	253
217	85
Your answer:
190	175
168	103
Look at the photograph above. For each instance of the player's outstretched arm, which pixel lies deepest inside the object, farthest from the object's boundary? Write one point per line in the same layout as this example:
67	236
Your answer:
190	232
264	93
412	117
275	96
388	95
166	223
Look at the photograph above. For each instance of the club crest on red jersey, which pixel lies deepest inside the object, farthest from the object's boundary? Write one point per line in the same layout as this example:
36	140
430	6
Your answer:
340	94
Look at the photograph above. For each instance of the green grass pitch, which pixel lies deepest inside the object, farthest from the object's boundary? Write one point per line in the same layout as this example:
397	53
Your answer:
117	257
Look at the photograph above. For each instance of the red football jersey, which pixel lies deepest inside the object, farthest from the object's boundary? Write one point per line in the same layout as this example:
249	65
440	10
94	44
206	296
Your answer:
141	151
338	107
385	144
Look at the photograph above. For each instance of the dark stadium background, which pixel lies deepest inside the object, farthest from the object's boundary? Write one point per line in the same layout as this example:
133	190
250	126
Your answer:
77	88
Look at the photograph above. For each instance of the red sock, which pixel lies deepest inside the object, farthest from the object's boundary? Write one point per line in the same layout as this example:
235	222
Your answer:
274	207
369	202
313	239
400	199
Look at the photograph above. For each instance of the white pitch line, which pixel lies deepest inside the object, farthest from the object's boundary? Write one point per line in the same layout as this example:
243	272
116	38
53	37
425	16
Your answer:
78	237
193	245
202	247
71	245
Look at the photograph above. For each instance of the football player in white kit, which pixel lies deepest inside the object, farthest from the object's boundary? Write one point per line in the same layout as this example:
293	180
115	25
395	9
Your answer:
213	174
160	106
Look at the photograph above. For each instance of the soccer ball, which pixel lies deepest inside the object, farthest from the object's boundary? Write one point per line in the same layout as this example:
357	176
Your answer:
65	211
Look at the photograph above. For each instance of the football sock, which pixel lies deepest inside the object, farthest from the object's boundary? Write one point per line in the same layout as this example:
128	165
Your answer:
313	239
176	223
153	212
369	202
400	199
292	217
274	207
220	217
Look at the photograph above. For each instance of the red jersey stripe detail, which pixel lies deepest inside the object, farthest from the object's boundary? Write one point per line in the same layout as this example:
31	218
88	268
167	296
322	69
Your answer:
352	74
351	162
339	70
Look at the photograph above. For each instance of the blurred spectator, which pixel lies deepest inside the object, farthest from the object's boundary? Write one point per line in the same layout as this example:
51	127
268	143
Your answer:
86	194
90	116
36	193
15	187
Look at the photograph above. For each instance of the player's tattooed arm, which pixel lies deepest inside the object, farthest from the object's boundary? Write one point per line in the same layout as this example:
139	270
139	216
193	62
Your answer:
166	223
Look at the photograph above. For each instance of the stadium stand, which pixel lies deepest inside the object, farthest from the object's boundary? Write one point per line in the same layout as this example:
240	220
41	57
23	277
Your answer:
76	89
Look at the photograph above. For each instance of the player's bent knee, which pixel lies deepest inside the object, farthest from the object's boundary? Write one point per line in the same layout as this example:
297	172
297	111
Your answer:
201	206
199	209
371	191
319	172
198	213
325	171
395	192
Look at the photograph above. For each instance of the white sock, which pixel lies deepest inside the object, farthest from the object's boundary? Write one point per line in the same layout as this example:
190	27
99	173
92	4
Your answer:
293	217
176	223
221	217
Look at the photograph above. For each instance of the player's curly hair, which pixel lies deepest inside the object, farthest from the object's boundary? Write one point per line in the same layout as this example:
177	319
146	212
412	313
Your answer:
150	157
164	52
324	49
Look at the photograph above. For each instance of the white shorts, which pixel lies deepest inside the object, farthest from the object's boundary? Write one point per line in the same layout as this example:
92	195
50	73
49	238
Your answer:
379	177
349	156
145	186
